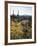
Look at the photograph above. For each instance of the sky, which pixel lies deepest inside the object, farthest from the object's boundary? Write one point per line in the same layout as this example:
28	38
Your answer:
23	10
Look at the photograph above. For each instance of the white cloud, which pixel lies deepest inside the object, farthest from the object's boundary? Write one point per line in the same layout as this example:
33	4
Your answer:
21	12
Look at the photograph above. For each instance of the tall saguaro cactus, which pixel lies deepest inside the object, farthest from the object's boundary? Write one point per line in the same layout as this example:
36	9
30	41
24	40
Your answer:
18	16
13	15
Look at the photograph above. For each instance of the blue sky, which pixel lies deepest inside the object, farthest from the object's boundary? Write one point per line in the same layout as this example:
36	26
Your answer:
22	10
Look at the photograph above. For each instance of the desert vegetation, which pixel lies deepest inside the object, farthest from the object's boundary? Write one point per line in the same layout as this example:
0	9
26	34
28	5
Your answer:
20	27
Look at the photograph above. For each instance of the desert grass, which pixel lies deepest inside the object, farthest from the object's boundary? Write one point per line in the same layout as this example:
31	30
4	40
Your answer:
19	31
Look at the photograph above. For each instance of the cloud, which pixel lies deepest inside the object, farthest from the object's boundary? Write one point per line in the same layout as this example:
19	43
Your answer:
22	10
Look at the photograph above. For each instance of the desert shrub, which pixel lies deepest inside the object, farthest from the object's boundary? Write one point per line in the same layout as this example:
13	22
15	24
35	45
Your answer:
21	30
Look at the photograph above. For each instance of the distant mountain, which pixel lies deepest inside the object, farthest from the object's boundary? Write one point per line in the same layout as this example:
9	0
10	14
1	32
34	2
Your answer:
23	17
